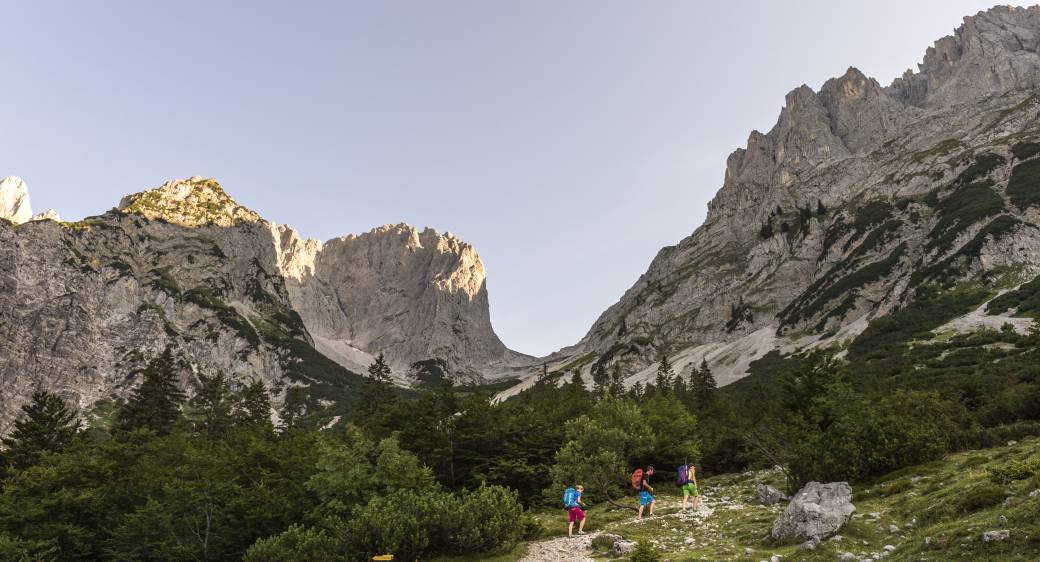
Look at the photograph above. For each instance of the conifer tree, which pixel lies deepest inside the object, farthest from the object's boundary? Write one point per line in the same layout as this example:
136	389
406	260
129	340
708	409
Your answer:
376	390
156	403
47	426
213	402
617	381
665	374
702	385
293	406
254	409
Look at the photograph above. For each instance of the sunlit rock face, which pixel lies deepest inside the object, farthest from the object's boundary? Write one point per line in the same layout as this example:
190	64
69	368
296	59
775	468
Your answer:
825	222
14	200
85	305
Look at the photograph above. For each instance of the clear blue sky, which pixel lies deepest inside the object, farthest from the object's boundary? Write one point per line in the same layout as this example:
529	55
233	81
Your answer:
568	141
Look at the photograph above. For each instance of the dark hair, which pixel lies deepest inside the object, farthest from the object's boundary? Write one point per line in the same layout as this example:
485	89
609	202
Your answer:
649	467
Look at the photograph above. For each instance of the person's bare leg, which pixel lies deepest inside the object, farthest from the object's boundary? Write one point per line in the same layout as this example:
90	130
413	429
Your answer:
640	516
570	529
581	526
652	507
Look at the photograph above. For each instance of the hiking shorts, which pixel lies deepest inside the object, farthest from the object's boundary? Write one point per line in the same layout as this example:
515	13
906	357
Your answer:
690	489
645	498
575	514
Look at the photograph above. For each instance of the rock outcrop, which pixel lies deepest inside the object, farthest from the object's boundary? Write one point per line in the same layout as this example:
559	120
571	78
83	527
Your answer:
410	294
842	211
85	305
14	200
768	495
816	512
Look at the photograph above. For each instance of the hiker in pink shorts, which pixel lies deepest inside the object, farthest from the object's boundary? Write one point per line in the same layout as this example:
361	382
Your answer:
574	512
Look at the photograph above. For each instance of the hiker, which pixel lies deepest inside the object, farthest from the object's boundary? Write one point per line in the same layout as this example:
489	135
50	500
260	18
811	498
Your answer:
644	492
572	502
688	478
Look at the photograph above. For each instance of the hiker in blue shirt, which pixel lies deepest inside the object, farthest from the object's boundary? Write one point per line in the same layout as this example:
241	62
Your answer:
574	510
644	492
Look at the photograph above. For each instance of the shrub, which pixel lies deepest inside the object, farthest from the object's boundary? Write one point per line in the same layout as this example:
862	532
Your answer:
398	524
487	519
1025	150
1024	186
980	497
898	487
602	542
981	167
1018	470
296	544
644	553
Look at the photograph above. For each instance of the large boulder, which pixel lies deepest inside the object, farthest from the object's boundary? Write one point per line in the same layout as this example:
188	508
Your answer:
816	512
768	495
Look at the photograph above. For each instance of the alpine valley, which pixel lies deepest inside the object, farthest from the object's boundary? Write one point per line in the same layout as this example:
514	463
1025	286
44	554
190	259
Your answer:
861	199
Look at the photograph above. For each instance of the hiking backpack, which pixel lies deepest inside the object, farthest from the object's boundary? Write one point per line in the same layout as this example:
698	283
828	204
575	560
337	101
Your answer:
570	498
637	479
683	475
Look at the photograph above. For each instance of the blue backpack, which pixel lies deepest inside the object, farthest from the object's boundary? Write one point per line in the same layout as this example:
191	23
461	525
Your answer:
683	474
570	498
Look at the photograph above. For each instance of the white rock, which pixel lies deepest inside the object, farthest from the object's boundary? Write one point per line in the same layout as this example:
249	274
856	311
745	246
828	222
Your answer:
48	215
14	200
996	536
817	511
889	547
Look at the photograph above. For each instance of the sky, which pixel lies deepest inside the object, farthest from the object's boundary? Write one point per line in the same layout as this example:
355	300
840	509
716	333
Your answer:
568	141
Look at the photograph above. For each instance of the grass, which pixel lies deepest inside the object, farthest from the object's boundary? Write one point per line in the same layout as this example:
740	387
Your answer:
949	502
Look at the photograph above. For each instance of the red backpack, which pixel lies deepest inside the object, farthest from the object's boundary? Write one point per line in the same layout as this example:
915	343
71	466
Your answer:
637	478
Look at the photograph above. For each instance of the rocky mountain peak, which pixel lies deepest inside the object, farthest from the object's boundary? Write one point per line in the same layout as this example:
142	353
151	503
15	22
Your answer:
191	202
993	52
14	200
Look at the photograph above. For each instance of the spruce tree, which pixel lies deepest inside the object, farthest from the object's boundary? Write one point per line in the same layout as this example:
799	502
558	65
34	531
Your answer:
254	408
702	385
376	390
47	426
293	407
617	381
665	374
213	403
156	403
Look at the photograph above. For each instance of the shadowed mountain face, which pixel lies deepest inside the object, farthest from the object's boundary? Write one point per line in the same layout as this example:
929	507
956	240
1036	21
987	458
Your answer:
85	305
858	197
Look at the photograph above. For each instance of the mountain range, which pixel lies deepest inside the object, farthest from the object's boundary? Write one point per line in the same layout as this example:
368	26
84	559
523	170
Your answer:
859	199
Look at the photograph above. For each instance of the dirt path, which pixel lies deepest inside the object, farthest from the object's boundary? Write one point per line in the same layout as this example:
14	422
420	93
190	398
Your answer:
561	549
578	548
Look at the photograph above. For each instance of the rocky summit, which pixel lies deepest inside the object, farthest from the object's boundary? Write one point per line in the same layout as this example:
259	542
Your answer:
85	305
858	199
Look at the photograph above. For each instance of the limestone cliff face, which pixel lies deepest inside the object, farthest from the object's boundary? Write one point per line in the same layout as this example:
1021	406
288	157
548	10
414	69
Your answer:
845	208
407	293
83	306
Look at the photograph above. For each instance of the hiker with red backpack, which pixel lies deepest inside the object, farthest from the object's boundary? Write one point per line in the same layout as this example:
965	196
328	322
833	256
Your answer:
572	502
641	482
687	475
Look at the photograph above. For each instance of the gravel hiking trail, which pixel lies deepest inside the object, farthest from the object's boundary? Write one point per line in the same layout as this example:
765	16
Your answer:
579	547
